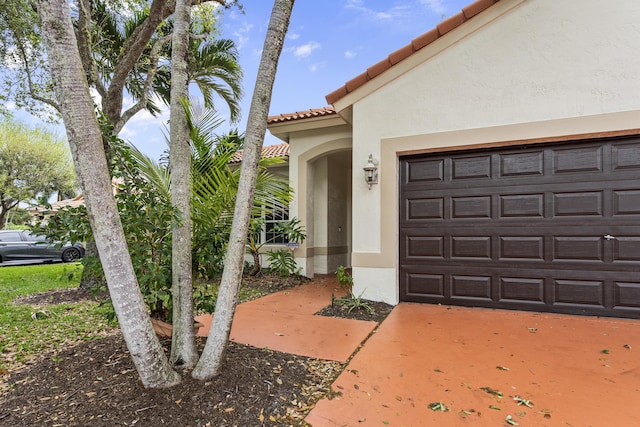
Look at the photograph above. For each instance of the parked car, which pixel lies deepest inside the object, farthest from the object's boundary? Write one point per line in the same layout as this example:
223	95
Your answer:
23	245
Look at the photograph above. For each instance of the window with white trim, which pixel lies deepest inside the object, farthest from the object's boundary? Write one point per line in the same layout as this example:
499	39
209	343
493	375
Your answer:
271	220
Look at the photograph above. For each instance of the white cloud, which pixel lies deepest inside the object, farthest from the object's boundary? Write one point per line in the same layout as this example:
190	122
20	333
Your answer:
349	54
313	68
378	16
305	50
293	36
435	6
242	34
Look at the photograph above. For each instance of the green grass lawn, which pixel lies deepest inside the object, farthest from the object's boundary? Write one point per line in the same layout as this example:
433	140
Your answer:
27	330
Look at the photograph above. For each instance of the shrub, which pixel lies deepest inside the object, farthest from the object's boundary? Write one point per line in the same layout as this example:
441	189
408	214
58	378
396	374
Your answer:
352	302
282	263
344	278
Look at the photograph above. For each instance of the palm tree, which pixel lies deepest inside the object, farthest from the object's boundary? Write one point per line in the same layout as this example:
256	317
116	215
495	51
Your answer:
214	67
214	183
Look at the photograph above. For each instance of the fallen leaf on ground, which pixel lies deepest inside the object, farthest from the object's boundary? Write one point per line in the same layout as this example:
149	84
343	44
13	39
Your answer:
491	391
511	421
438	406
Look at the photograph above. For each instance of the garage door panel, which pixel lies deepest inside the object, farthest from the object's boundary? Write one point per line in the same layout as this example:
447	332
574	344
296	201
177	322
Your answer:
467	287
580	159
425	286
626	202
471	207
627	295
521	248
522	206
425	171
425	247
476	167
627	249
552	228
578	204
579	292
578	248
626	156
476	247
522	290
522	164
420	209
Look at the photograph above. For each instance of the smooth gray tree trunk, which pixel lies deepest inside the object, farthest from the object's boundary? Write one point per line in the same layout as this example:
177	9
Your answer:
212	356
85	139
183	347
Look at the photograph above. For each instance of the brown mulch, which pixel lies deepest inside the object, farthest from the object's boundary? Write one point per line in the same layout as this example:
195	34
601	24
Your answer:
376	312
61	296
95	383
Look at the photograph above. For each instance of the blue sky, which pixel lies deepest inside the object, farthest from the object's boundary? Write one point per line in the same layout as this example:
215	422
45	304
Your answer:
329	42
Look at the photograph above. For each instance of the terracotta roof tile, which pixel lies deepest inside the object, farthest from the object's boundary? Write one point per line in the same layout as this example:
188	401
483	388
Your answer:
400	54
377	69
357	81
425	39
418	43
476	7
287	117
450	23
268	152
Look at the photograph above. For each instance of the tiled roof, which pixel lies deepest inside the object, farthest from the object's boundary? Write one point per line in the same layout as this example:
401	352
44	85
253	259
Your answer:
315	112
56	206
418	43
268	152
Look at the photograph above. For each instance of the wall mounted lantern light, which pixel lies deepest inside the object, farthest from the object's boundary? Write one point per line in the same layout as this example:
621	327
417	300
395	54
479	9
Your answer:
371	171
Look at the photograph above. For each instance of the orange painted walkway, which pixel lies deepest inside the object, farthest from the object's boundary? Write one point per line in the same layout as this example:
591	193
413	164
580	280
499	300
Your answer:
573	371
285	322
565	370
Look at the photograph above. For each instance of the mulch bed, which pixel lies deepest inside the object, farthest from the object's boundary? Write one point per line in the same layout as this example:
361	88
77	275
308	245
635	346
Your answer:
95	383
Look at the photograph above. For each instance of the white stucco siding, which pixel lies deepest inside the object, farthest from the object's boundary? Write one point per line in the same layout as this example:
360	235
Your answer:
543	60
308	176
566	67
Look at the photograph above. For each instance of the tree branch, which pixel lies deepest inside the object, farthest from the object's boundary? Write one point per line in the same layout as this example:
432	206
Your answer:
151	73
133	49
32	90
83	36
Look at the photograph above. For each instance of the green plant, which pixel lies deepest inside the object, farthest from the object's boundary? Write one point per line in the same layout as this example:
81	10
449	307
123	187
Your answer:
147	217
344	278
290	230
282	263
352	302
26	331
205	296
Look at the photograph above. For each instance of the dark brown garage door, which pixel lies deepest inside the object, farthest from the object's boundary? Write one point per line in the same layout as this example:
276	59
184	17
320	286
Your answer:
552	228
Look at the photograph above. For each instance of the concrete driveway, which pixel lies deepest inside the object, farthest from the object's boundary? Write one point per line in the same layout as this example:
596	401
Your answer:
485	367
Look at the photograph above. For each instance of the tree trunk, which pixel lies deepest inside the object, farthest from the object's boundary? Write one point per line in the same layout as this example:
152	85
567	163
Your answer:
3	217
183	346
85	140
211	359
92	274
257	268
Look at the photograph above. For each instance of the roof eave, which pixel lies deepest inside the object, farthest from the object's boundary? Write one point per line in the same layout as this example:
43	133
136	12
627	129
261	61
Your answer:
401	59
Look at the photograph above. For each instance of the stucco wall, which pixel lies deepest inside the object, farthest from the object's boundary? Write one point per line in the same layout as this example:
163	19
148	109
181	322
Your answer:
523	70
315	178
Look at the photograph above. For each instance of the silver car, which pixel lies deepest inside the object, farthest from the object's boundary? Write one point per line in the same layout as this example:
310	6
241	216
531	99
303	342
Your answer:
23	245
